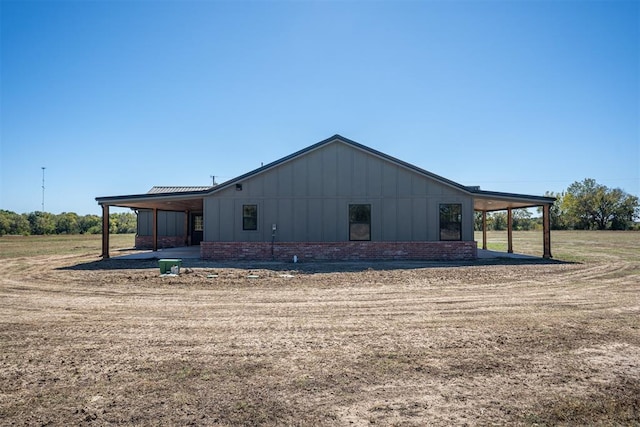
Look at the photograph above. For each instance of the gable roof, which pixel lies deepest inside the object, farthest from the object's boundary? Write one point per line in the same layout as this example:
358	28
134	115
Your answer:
188	197
341	139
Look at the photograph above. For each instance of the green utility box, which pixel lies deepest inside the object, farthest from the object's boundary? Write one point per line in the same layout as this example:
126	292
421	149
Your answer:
166	264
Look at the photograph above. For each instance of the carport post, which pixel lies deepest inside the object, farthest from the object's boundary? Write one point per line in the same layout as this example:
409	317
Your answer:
509	231
105	231
546	231
484	230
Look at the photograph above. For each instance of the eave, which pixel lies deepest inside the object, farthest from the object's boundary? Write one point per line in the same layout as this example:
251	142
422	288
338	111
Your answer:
490	201
177	201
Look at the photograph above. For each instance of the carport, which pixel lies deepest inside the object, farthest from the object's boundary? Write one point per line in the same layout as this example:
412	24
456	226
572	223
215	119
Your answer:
490	201
175	199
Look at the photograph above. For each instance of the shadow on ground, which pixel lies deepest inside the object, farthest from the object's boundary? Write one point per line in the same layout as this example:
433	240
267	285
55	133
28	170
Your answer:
308	267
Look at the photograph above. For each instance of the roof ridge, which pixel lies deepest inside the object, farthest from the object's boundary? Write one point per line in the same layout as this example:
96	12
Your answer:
344	140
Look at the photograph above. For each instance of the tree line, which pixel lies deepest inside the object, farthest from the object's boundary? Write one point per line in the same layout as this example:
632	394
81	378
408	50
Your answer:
40	223
584	205
523	220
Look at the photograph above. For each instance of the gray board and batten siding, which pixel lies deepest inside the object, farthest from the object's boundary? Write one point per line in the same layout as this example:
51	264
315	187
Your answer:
169	223
308	199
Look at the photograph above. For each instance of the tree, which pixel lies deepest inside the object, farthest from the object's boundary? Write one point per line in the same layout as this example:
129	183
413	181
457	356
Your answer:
589	205
5	222
477	221
67	223
628	212
42	222
13	223
90	224
498	221
522	219
124	222
557	212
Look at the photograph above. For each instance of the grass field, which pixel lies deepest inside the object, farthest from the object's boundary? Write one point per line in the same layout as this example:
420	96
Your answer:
75	244
572	246
515	342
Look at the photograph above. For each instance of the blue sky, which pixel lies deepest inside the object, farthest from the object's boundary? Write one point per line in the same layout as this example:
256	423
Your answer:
115	97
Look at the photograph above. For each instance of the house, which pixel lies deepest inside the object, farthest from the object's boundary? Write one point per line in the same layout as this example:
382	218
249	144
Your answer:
334	200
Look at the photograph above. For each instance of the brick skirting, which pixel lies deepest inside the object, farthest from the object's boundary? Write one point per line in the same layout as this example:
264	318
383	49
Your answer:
338	251
146	242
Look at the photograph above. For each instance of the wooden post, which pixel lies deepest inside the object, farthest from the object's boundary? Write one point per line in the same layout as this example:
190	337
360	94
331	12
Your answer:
546	231
155	229
509	231
484	230
105	231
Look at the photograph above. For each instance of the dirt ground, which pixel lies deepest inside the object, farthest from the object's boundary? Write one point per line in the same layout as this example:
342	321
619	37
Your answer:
496	342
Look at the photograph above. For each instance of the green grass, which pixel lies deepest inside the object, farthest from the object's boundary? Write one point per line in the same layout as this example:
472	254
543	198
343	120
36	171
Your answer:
572	246
80	244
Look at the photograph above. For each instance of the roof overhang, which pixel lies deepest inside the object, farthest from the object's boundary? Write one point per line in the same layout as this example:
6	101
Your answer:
176	201
489	201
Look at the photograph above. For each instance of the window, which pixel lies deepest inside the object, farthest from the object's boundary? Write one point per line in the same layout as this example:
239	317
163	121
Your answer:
198	223
359	222
249	217
451	221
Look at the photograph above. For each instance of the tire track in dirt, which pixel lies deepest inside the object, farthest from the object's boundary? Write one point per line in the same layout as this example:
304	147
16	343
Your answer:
476	344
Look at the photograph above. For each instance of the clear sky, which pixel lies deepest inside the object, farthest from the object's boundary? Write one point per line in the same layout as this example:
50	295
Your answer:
115	97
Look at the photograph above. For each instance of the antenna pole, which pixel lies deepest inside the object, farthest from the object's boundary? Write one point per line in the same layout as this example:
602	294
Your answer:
213	180
43	168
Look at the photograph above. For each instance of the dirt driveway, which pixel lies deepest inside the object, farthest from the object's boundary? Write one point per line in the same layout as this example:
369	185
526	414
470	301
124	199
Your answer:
504	342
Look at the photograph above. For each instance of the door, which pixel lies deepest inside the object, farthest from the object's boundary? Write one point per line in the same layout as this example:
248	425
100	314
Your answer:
197	227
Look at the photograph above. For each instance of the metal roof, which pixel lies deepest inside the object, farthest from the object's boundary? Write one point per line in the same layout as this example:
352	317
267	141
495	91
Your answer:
175	198
181	189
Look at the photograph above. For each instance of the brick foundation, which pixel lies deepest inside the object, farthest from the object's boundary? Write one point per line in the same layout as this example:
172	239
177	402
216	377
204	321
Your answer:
146	242
338	251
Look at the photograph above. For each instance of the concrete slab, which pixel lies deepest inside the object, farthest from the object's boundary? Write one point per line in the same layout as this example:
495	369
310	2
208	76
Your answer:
487	254
193	252
186	252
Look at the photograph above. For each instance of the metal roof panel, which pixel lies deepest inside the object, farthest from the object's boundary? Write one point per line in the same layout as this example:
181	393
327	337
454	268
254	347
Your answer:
158	189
